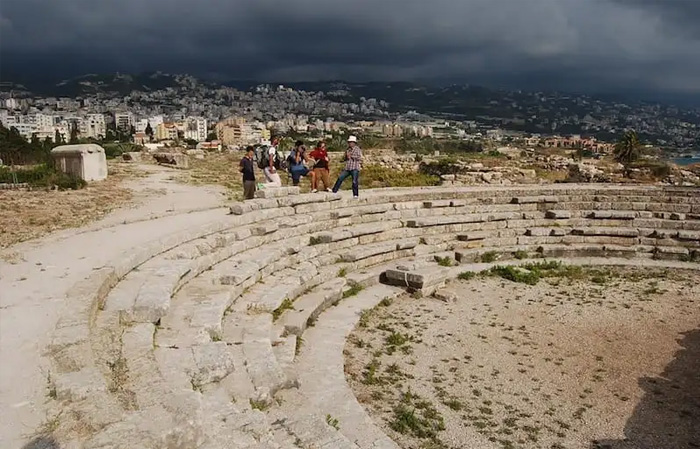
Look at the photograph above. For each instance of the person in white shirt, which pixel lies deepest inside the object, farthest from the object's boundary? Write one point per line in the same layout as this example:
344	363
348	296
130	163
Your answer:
270	172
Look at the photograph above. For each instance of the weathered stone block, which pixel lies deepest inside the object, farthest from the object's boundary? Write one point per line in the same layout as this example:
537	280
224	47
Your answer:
214	362
558	214
177	160
276	192
86	161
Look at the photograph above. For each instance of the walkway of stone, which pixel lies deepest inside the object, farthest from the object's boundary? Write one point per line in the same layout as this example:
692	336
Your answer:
228	331
32	291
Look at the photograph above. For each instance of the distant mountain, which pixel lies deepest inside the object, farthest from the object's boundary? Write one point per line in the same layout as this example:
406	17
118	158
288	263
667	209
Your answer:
117	84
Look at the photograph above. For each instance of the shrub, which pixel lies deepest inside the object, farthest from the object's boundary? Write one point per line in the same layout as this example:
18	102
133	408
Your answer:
352	291
466	276
443	261
488	257
41	176
520	255
516	274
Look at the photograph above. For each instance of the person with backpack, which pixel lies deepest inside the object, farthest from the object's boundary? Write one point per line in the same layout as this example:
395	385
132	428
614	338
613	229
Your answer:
353	164
247	169
269	162
297	160
321	167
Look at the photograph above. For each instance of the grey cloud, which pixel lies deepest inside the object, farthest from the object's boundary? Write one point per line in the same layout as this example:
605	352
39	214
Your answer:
577	44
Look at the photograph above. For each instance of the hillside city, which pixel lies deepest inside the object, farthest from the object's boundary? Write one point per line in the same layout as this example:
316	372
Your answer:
165	108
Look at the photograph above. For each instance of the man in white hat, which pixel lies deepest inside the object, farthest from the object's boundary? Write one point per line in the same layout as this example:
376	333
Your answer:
353	164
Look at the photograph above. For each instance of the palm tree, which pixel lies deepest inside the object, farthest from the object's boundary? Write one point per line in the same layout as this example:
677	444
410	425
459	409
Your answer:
628	148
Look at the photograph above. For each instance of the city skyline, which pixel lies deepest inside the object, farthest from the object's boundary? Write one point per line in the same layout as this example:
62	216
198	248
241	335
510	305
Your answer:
598	45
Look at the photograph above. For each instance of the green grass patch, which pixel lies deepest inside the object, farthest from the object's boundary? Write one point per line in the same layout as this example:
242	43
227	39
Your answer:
333	422
369	375
417	417
41	175
259	405
342	272
287	304
531	273
443	261
520	255
352	291
466	276
488	257
515	274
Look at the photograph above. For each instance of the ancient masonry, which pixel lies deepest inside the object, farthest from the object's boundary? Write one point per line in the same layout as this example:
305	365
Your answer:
231	335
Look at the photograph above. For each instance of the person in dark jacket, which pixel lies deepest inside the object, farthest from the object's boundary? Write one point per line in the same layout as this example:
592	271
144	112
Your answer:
247	168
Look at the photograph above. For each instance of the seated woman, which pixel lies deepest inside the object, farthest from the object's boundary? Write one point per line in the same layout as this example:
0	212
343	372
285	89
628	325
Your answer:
298	161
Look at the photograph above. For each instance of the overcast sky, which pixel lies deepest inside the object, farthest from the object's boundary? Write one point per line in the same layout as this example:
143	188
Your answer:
566	44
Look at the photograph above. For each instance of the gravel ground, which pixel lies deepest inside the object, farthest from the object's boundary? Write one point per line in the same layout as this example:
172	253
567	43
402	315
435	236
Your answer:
607	359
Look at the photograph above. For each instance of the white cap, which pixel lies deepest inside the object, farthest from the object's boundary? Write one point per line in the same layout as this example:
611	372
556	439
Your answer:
352	139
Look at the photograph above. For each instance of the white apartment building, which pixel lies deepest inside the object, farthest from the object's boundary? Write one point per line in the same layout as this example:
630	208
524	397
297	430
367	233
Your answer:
124	120
93	126
27	130
43	121
156	120
196	129
12	103
141	125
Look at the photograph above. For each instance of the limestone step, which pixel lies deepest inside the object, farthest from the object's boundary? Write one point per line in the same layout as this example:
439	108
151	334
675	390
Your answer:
323	390
366	251
261	364
423	279
354	231
309	306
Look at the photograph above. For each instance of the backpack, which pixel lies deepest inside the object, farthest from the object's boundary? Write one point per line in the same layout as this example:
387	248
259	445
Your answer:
262	155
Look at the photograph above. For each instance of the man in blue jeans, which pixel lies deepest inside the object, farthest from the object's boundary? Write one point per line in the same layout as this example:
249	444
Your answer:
353	163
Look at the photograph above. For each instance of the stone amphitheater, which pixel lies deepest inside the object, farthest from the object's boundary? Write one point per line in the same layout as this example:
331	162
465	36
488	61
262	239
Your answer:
231	334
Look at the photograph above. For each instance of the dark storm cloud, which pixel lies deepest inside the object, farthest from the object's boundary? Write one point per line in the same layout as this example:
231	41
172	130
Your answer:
588	44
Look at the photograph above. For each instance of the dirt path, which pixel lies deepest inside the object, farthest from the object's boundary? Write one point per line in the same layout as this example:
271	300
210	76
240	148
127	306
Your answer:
35	275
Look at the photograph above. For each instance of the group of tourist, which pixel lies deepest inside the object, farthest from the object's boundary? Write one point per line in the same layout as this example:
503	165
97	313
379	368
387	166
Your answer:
299	164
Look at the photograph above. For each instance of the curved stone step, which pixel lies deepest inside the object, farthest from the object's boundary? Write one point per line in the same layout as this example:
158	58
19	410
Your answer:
319	366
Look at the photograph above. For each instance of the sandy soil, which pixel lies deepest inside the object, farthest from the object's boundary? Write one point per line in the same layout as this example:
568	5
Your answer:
607	361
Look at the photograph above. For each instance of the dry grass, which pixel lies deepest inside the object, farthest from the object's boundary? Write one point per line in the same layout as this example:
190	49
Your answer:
219	169
26	215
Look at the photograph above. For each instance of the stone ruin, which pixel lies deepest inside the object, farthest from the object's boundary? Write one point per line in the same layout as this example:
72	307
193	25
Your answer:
189	341
177	160
85	161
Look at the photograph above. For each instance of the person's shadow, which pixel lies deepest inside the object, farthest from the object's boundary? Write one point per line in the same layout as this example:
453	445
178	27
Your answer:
668	416
42	442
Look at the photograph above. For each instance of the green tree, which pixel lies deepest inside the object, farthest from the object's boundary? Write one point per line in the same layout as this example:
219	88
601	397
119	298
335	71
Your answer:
149	130
74	133
628	148
58	138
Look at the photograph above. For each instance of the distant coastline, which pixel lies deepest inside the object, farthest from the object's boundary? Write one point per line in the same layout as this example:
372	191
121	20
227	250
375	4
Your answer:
685	160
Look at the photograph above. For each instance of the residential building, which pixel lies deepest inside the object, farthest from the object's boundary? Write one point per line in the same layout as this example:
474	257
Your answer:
195	128
167	131
124	120
93	126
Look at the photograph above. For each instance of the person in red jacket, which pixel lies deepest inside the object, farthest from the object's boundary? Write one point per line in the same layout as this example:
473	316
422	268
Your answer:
321	168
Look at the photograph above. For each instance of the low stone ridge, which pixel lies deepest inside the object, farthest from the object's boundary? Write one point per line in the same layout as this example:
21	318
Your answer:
206	328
